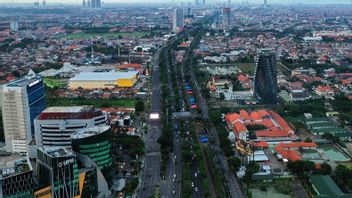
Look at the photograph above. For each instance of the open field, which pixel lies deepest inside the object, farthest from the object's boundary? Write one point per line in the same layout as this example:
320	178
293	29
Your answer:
50	82
83	35
248	68
97	102
269	193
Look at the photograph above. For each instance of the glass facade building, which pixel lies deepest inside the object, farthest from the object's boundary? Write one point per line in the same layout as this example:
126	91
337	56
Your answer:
58	168
265	84
95	142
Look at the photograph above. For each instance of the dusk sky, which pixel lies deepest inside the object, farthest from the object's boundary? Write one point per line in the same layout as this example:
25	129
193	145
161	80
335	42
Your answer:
160	1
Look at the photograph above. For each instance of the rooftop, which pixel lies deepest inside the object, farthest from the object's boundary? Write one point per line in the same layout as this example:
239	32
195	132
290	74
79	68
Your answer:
58	152
71	112
11	164
88	132
104	76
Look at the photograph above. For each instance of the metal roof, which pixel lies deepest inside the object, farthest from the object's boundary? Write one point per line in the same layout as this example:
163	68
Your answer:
104	76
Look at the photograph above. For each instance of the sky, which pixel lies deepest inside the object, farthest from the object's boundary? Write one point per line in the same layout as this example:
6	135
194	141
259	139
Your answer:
164	1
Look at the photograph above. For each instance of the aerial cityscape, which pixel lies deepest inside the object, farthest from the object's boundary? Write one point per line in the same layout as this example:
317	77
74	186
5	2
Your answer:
176	99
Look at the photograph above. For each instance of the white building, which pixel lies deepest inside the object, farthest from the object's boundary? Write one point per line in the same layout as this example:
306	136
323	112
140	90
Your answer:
55	125
22	100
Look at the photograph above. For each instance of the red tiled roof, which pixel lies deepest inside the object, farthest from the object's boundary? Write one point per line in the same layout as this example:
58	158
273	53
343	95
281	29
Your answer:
231	118
245	114
291	155
277	133
261	144
239	127
255	116
283	124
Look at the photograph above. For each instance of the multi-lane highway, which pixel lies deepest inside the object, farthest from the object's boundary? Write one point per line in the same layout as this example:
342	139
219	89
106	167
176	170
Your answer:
150	176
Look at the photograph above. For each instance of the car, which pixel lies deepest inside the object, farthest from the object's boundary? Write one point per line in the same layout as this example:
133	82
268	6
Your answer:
174	175
173	192
192	184
173	179
196	189
195	174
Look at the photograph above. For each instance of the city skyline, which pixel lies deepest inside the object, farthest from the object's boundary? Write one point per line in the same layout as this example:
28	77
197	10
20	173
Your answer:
184	1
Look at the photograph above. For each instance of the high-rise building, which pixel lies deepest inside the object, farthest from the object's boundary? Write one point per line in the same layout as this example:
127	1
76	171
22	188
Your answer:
226	18
203	1
14	25
16	176
58	170
84	3
95	142
96	3
178	20
265	84
22	101
197	2
55	125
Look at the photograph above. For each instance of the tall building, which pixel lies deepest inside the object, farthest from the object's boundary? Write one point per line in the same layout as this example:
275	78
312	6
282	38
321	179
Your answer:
226	18
22	101
95	142
203	1
178	20
84	3
16	176
55	125
196	2
265	84
14	26
57	169
96	3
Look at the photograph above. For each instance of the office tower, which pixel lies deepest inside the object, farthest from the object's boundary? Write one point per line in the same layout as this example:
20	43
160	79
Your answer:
55	125
44	3
16	176
226	18
57	169
36	3
95	142
197	2
203	1
265	84
84	3
265	3
95	3
14	26
22	101
178	20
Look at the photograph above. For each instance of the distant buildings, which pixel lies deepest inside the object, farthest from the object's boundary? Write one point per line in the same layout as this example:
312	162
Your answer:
16	176
55	125
14	26
226	18
265	84
92	3
177	20
102	80
22	101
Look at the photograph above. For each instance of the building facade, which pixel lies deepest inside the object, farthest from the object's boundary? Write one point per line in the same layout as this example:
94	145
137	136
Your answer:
226	19
265	84
58	168
95	142
55	125
178	20
22	101
16	176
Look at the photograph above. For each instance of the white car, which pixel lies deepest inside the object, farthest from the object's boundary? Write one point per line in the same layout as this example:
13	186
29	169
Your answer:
195	174
196	189
192	184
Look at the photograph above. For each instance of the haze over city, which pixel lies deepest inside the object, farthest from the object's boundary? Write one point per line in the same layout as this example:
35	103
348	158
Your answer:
175	99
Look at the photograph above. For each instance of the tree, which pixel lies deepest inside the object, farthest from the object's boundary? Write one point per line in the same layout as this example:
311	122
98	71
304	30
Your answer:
325	169
139	106
234	163
300	167
343	175
251	168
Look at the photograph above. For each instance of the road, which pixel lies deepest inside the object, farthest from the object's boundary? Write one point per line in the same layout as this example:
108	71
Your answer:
233	187
150	176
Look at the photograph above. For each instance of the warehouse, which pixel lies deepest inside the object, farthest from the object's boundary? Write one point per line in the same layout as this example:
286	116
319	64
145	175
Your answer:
102	80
